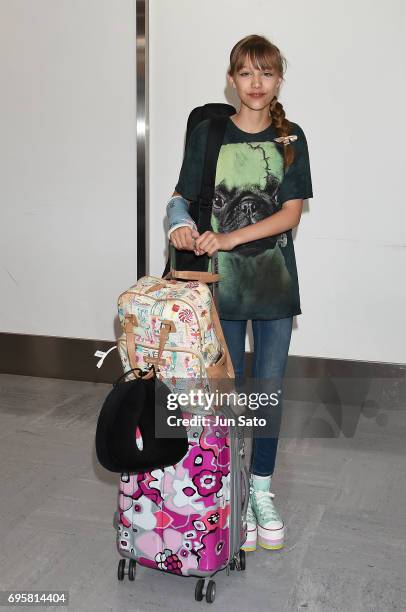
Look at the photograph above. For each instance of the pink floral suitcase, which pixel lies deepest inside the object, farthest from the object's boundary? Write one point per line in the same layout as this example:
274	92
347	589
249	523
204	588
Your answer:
189	518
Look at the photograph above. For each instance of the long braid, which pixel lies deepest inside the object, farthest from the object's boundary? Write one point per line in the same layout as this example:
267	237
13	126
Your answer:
283	127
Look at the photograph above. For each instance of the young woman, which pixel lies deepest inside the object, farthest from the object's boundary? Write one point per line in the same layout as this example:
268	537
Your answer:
262	178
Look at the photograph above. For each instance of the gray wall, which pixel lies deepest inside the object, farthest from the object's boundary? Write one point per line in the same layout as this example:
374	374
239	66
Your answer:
68	157
344	86
67	163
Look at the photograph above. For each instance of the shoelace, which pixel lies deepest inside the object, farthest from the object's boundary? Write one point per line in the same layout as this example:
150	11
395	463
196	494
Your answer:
261	499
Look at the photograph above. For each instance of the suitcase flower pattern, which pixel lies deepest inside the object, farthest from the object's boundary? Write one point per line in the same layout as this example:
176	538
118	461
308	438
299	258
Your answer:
177	519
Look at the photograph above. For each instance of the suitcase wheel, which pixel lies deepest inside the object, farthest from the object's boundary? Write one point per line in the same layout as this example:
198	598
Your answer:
131	569
121	569
242	559
199	589
238	562
211	591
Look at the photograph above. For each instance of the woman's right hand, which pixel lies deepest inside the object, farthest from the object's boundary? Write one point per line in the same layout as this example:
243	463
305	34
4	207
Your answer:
184	237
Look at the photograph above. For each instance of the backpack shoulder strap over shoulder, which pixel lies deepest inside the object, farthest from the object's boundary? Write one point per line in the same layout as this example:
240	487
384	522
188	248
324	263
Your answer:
215	138
200	210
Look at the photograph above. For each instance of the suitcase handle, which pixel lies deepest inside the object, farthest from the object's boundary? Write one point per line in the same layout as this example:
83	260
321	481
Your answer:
204	277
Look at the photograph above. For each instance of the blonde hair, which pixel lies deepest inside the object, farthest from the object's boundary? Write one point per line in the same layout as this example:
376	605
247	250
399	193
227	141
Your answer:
264	54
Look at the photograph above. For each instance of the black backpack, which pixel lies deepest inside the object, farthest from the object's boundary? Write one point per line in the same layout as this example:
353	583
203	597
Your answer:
200	210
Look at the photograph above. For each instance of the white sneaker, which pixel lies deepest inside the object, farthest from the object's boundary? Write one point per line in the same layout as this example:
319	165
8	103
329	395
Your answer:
271	530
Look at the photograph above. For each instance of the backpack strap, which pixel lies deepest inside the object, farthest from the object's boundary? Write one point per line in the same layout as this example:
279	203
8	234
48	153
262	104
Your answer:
215	136
202	208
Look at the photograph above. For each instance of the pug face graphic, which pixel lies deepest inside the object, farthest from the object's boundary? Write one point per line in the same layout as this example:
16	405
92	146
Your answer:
239	203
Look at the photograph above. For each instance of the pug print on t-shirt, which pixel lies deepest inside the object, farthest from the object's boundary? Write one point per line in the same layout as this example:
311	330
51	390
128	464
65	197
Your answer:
248	176
258	278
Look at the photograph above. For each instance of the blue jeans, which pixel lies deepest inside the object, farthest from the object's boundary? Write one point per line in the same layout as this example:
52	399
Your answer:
271	347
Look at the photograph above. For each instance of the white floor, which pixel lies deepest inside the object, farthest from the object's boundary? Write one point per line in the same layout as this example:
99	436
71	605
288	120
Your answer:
343	501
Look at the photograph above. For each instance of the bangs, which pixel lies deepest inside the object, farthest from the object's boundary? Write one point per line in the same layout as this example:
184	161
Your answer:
263	59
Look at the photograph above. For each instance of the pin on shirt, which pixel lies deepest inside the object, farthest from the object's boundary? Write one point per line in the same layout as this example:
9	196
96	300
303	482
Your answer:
286	139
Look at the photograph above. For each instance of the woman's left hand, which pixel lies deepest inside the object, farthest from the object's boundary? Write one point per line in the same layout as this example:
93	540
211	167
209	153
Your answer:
210	242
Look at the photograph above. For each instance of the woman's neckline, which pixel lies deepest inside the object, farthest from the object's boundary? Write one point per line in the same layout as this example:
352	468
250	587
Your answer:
249	133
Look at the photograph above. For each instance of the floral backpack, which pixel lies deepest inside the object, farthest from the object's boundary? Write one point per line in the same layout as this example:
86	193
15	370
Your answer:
174	325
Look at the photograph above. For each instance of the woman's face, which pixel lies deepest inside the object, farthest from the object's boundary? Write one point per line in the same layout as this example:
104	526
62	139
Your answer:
255	88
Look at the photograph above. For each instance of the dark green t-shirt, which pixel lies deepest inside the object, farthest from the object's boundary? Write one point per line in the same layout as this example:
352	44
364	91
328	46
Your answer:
258	278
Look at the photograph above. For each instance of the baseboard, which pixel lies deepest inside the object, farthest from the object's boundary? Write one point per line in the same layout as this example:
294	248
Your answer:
73	359
55	357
